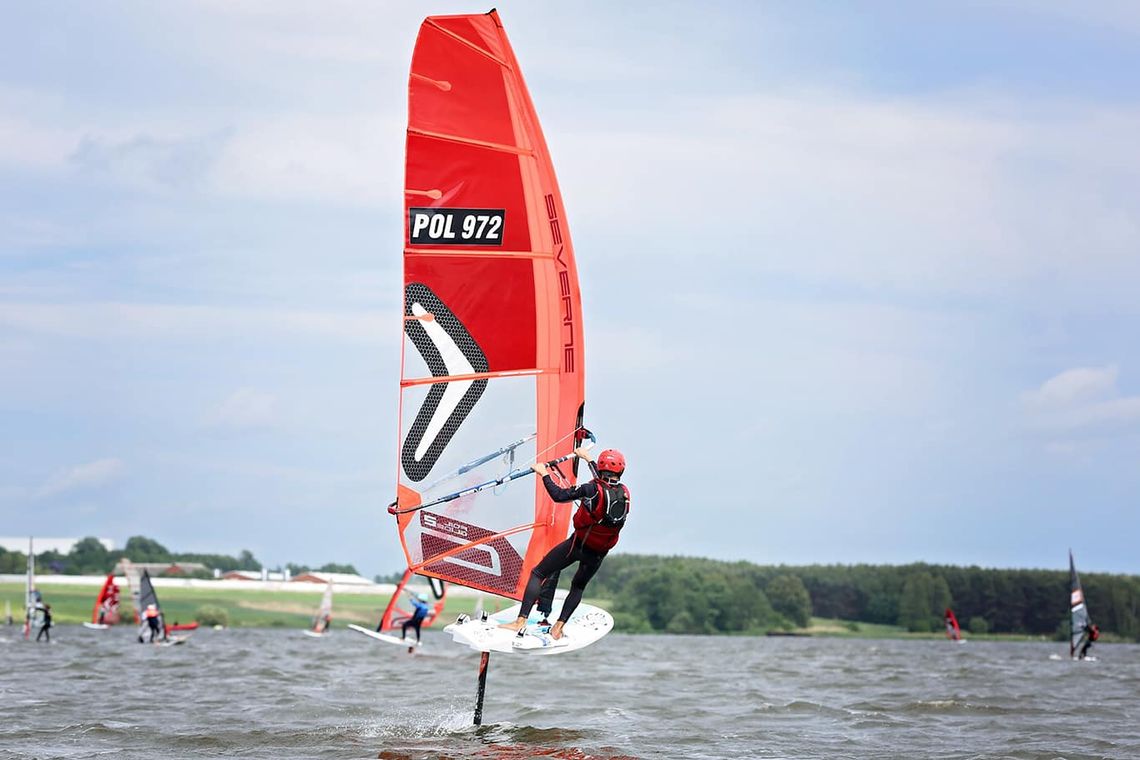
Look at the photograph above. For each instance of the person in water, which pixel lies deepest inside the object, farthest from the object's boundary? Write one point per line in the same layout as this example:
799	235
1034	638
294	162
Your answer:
153	620
1092	634
45	628
420	609
603	505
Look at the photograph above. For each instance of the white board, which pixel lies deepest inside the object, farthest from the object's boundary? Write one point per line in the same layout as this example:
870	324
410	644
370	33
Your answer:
385	637
586	625
96	626
315	634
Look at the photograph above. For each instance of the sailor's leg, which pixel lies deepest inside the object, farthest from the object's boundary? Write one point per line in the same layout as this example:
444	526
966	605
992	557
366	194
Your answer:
555	560
588	564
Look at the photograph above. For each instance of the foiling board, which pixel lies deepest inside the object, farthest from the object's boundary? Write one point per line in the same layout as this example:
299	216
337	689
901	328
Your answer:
586	625
387	638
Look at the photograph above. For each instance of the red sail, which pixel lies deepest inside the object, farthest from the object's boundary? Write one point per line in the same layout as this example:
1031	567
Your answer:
107	603
493	358
952	631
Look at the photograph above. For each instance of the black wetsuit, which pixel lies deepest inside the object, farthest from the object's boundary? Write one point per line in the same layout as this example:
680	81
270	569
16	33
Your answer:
153	624
1090	637
45	629
546	596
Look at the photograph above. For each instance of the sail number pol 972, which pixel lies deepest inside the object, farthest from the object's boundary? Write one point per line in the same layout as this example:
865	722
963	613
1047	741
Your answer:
456	226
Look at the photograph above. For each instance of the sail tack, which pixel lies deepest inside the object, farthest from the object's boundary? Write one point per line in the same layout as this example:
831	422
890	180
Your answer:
493	362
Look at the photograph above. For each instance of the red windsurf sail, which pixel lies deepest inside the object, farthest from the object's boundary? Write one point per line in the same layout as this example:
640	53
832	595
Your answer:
106	610
493	358
399	610
953	632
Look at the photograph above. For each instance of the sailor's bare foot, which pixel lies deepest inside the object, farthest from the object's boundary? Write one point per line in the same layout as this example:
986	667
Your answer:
556	630
519	623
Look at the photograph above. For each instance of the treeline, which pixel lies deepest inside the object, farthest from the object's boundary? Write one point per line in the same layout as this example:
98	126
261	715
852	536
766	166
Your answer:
90	557
691	595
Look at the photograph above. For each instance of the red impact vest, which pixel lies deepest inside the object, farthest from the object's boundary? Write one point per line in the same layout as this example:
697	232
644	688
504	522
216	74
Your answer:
589	525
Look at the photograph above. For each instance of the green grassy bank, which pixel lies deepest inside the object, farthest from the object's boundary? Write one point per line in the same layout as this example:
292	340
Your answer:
850	629
244	608
292	609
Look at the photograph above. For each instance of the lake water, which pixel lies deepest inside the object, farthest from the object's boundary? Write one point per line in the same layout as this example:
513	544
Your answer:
279	694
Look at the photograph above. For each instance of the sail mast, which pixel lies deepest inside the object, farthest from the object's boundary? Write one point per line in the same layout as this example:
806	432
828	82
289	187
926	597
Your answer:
29	591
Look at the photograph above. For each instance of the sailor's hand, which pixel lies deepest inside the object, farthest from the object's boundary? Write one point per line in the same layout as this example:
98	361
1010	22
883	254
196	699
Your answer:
540	468
583	453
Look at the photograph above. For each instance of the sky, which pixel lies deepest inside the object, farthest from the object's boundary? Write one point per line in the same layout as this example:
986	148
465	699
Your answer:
860	283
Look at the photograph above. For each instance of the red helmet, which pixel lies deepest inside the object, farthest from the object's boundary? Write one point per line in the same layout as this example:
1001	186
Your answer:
611	460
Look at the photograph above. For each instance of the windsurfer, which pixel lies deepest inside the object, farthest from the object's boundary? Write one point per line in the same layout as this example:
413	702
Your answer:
45	628
603	507
154	623
110	603
419	612
1092	633
324	622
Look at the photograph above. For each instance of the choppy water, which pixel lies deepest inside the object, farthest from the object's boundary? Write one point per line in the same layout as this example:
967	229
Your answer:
278	694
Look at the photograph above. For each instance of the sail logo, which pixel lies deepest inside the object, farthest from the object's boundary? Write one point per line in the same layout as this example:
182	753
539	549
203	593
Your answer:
452	527
468	554
456	226
448	349
564	290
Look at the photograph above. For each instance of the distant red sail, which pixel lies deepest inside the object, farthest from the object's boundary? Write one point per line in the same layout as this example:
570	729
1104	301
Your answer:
106	609
953	632
492	376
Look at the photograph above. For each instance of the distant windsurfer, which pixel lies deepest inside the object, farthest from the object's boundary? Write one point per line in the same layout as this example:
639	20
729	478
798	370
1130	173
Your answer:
420	610
110	604
45	627
603	505
153	619
323	623
1092	633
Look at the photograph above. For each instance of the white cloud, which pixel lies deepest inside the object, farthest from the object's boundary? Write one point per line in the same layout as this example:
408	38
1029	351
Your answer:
95	474
1080	384
1082	399
350	161
974	193
150	161
245	409
161	321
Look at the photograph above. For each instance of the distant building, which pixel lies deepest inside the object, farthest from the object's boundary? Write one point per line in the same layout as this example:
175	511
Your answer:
162	568
47	544
347	579
252	575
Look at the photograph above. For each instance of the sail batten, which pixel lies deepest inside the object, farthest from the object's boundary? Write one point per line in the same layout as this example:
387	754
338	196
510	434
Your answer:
493	349
474	143
408	382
